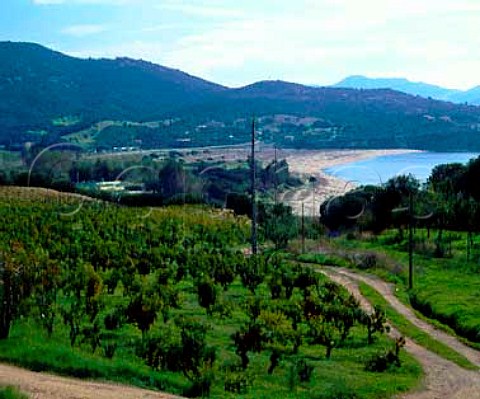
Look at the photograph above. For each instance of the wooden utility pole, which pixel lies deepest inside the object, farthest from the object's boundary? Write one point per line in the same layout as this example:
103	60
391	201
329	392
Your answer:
276	178
410	241
303	228
254	200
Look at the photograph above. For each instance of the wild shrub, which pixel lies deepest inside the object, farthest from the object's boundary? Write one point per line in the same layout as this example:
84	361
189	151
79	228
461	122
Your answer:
384	360
237	382
366	261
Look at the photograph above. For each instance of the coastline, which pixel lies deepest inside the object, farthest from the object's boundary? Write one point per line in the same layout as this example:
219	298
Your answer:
312	163
302	163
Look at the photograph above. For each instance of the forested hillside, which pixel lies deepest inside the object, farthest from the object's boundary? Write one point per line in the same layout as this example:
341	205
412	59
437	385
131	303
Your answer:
47	97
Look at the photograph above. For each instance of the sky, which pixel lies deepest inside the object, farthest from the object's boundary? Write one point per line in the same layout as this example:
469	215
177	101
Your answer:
238	42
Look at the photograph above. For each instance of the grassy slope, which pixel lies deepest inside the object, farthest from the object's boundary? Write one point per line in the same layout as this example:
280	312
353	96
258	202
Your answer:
445	289
399	321
413	332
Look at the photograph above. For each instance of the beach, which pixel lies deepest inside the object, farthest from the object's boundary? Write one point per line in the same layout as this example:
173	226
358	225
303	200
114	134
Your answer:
310	164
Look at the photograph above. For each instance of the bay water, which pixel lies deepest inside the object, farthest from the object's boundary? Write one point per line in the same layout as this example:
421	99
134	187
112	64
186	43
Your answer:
378	170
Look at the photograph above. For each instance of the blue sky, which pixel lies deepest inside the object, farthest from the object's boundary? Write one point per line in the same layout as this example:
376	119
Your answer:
242	41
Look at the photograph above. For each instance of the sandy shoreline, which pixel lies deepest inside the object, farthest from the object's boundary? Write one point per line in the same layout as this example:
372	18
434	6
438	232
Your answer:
303	163
308	163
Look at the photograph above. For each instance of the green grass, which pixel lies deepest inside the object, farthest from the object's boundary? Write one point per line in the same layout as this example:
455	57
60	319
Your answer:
343	374
29	347
413	332
445	289
11	393
323	259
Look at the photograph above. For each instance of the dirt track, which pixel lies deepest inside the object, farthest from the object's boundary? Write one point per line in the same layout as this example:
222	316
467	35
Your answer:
443	379
46	386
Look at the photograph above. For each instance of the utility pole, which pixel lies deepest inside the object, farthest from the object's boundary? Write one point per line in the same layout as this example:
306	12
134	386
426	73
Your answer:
276	177
313	199
410	241
254	204
303	228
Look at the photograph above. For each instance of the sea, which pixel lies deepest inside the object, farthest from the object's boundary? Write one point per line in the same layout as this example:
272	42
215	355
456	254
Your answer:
378	170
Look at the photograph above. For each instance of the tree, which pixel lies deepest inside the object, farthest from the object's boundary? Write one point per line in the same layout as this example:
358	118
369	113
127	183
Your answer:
207	294
196	356
448	179
14	287
343	212
346	315
175	180
82	298
224	272
250	338
47	285
401	187
375	322
324	333
252	272
278	335
472	177
278	223
93	291
143	307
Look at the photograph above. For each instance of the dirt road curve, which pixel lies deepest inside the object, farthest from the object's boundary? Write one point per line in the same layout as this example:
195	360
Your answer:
46	386
443	379
386	290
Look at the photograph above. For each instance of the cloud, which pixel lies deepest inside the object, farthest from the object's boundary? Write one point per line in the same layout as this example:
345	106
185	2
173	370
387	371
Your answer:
325	39
83	30
202	10
47	2
86	2
309	41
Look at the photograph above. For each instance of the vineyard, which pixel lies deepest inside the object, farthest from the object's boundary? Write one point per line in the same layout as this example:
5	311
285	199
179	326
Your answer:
166	299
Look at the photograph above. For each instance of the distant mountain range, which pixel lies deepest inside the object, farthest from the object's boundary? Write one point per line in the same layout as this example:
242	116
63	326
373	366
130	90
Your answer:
426	90
47	97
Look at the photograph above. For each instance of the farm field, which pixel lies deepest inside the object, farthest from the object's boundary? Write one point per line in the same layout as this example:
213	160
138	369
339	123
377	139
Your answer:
165	299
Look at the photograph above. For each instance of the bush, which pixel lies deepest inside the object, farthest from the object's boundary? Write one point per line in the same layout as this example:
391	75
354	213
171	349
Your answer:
300	371
201	384
366	261
237	382
378	363
383	361
11	393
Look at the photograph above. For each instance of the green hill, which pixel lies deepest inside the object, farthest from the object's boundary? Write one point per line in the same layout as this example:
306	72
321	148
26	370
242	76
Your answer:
47	97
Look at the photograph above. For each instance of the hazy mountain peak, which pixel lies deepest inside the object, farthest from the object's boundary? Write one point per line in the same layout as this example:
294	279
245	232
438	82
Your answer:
400	84
422	89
